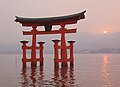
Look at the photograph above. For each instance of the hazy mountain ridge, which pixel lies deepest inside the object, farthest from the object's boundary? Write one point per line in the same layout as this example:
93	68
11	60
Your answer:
85	43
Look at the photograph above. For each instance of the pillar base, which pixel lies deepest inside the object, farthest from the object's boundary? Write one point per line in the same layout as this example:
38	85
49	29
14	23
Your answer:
64	64
71	64
56	65
41	64
33	63
24	64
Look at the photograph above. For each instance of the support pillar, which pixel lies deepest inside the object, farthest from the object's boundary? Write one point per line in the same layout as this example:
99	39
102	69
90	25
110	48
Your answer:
24	47
41	52
63	45
33	54
71	53
56	54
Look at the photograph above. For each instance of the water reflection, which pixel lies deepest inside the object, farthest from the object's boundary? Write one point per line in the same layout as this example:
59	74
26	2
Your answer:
105	71
31	77
36	77
64	77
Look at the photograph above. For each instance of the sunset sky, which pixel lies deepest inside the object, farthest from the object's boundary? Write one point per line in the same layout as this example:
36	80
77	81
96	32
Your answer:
101	15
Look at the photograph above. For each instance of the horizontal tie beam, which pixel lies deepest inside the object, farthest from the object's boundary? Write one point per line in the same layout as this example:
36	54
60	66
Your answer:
50	32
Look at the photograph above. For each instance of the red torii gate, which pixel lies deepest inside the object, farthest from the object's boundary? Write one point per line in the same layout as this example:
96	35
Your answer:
48	23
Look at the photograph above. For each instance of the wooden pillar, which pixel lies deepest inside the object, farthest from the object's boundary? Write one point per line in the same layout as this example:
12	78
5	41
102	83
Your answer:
63	47
71	53
24	47
41	52
56	54
33	54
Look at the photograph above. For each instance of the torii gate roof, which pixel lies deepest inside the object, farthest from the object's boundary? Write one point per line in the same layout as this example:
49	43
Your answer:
68	19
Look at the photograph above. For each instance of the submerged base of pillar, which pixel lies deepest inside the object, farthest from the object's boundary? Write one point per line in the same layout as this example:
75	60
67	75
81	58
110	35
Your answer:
56	65
71	64
33	63
64	64
41	64
24	64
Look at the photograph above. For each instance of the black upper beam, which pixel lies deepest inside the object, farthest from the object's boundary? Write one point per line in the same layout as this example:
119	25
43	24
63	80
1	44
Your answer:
69	19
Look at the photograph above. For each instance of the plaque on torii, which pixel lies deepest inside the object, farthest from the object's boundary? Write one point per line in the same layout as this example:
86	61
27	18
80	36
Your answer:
48	23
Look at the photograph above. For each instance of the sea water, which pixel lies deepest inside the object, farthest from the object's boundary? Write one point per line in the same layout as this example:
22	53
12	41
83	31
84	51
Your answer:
90	70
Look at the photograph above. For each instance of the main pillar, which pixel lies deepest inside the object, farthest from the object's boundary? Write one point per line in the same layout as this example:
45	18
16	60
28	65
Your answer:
63	46
33	54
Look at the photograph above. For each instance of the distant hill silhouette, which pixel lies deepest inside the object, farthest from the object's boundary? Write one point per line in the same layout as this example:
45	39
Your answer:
84	41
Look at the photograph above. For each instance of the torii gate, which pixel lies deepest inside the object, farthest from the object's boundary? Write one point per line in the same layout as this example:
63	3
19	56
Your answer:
48	23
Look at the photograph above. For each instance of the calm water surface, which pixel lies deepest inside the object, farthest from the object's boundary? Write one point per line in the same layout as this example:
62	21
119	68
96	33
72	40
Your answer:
90	70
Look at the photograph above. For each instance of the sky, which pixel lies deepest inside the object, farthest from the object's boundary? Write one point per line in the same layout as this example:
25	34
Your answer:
101	15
